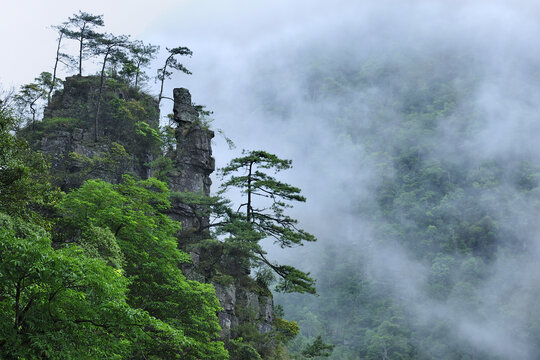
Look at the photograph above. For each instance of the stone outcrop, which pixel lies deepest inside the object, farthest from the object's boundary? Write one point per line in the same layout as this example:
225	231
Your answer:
78	99
193	165
192	158
66	134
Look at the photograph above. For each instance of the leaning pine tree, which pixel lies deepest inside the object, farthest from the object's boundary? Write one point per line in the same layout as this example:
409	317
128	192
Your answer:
262	214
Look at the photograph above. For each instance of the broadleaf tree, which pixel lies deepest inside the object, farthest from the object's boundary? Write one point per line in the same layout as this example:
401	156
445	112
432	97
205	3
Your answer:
67	301
132	212
23	173
62	304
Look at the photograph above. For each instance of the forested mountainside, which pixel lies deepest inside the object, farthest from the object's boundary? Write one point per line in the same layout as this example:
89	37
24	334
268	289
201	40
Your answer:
123	226
439	262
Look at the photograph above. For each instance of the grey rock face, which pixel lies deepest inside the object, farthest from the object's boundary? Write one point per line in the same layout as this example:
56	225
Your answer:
194	163
68	135
192	158
75	154
193	155
239	306
183	110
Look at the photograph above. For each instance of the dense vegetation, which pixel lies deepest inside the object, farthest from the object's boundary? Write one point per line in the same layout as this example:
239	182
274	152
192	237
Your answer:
440	265
440	203
108	285
90	261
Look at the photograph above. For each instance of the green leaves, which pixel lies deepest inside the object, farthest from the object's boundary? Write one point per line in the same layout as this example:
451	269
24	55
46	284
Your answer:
318	348
266	217
23	175
62	303
81	27
132	212
262	214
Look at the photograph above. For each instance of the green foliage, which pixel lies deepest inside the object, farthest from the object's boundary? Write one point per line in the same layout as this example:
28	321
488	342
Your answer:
131	125
140	56
25	190
262	214
81	27
286	330
110	164
29	96
456	213
318	349
47	127
388	340
162	168
239	350
64	304
168	139
100	243
110	287
132	211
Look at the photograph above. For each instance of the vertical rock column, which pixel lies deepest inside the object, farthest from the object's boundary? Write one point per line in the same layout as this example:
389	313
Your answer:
193	159
194	163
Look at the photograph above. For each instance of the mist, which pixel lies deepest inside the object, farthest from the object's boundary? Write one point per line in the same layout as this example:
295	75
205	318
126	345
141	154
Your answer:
268	73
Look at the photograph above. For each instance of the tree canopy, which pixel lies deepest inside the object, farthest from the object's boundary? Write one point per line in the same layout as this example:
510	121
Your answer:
82	28
261	214
132	213
172	63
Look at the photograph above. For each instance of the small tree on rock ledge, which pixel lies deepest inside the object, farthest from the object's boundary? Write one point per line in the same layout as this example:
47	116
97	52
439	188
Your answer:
262	214
172	63
81	28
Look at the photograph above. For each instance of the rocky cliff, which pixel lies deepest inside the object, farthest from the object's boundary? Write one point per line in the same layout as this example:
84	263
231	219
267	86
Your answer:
193	164
129	144
128	139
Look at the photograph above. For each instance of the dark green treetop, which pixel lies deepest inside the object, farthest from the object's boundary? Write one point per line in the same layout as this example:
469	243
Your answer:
82	28
268	217
172	63
262	214
140	55
318	348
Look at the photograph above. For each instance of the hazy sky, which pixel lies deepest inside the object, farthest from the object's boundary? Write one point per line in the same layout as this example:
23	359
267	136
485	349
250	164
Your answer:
31	44
28	45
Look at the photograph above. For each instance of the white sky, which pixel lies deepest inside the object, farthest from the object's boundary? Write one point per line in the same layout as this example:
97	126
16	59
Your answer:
29	44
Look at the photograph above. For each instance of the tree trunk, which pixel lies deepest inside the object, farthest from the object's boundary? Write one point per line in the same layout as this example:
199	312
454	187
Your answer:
55	68
163	79
249	192
81	40
137	74
96	122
